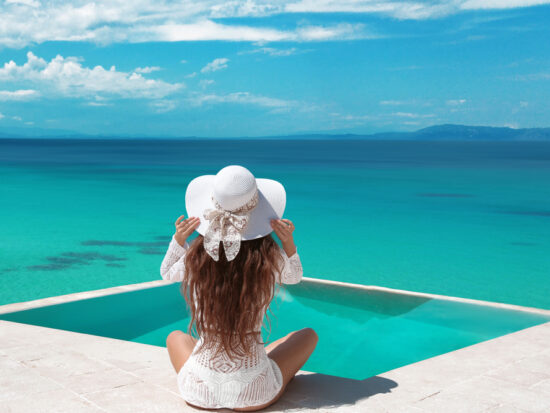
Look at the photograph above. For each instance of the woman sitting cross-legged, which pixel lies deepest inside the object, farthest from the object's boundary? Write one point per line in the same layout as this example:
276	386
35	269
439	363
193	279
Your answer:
228	276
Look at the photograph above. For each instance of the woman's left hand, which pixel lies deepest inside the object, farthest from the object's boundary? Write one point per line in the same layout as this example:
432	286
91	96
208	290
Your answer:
284	229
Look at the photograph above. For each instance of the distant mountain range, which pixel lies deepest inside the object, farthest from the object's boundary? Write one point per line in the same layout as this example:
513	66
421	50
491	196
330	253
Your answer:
432	133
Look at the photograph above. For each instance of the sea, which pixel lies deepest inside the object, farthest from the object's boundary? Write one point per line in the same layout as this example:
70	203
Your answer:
467	219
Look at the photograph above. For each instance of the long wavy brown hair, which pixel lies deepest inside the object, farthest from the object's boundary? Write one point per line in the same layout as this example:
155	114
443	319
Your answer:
228	299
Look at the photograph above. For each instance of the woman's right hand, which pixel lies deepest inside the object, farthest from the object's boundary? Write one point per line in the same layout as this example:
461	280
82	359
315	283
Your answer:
184	228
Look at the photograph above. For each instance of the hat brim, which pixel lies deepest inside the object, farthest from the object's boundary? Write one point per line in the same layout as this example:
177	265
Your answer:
271	205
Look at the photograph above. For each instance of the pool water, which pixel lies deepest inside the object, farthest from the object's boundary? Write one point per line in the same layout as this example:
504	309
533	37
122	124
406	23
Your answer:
361	332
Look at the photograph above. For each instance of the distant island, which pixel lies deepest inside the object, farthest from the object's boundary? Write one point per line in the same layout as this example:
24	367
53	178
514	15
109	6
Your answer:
446	132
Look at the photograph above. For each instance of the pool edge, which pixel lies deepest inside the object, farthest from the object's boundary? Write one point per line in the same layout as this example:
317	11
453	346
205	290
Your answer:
59	299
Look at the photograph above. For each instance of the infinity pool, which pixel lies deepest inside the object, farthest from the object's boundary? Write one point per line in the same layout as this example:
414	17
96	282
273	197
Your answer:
361	332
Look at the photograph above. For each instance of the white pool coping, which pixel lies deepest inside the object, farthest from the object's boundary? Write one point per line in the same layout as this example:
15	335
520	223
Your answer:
26	305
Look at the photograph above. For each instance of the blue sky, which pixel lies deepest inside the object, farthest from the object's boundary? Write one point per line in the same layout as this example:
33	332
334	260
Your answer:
256	68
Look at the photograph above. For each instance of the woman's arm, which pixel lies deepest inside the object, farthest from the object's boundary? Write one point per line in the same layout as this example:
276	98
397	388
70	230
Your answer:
292	271
172	267
173	264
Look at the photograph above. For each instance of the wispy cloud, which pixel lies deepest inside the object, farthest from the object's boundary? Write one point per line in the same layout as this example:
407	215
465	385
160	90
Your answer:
215	65
22	94
25	22
204	83
413	115
394	102
530	77
163	105
455	102
98	104
67	77
147	69
416	102
403	9
272	51
245	98
500	4
103	22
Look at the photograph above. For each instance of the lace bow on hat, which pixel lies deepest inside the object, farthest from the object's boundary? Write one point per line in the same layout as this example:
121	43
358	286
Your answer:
226	226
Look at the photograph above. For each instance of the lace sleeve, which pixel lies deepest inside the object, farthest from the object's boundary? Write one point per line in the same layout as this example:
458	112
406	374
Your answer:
292	269
173	264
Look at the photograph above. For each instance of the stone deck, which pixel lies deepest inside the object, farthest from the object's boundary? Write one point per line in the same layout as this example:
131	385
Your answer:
49	370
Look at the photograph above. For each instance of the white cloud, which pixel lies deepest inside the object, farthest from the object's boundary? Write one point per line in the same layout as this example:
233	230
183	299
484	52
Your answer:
455	102
242	98
17	118
183	61
403	9
532	76
204	83
163	106
29	3
413	115
500	4
394	102
1	116
415	102
24	22
147	69
66	76
215	65
98	104
22	94
108	21
523	103
190	75
271	51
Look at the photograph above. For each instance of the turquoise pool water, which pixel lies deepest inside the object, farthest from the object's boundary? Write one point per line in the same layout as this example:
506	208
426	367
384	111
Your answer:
361	333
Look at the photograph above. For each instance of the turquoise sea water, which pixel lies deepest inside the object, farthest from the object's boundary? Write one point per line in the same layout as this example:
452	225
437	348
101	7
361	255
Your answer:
469	219
361	334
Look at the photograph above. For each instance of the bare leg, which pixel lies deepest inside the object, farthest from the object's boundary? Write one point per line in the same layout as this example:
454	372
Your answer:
290	353
180	346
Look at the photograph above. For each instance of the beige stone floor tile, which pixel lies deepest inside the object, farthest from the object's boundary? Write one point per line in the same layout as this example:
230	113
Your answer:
406	409
543	388
17	380
522	376
56	401
62	364
504	408
539	363
138	397
504	393
456	400
98	380
164	377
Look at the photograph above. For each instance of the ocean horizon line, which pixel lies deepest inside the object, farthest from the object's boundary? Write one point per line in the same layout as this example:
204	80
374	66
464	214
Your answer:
444	132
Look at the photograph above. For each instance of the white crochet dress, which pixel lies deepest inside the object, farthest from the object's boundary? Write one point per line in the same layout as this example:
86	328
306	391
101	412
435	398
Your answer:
219	382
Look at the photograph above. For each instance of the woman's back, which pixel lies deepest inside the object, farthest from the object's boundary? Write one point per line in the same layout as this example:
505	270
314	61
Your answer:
213	378
228	277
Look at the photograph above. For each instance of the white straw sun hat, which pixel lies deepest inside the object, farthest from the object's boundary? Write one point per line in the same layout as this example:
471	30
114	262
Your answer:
232	206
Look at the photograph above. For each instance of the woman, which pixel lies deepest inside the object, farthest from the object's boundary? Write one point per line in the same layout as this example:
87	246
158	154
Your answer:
229	274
